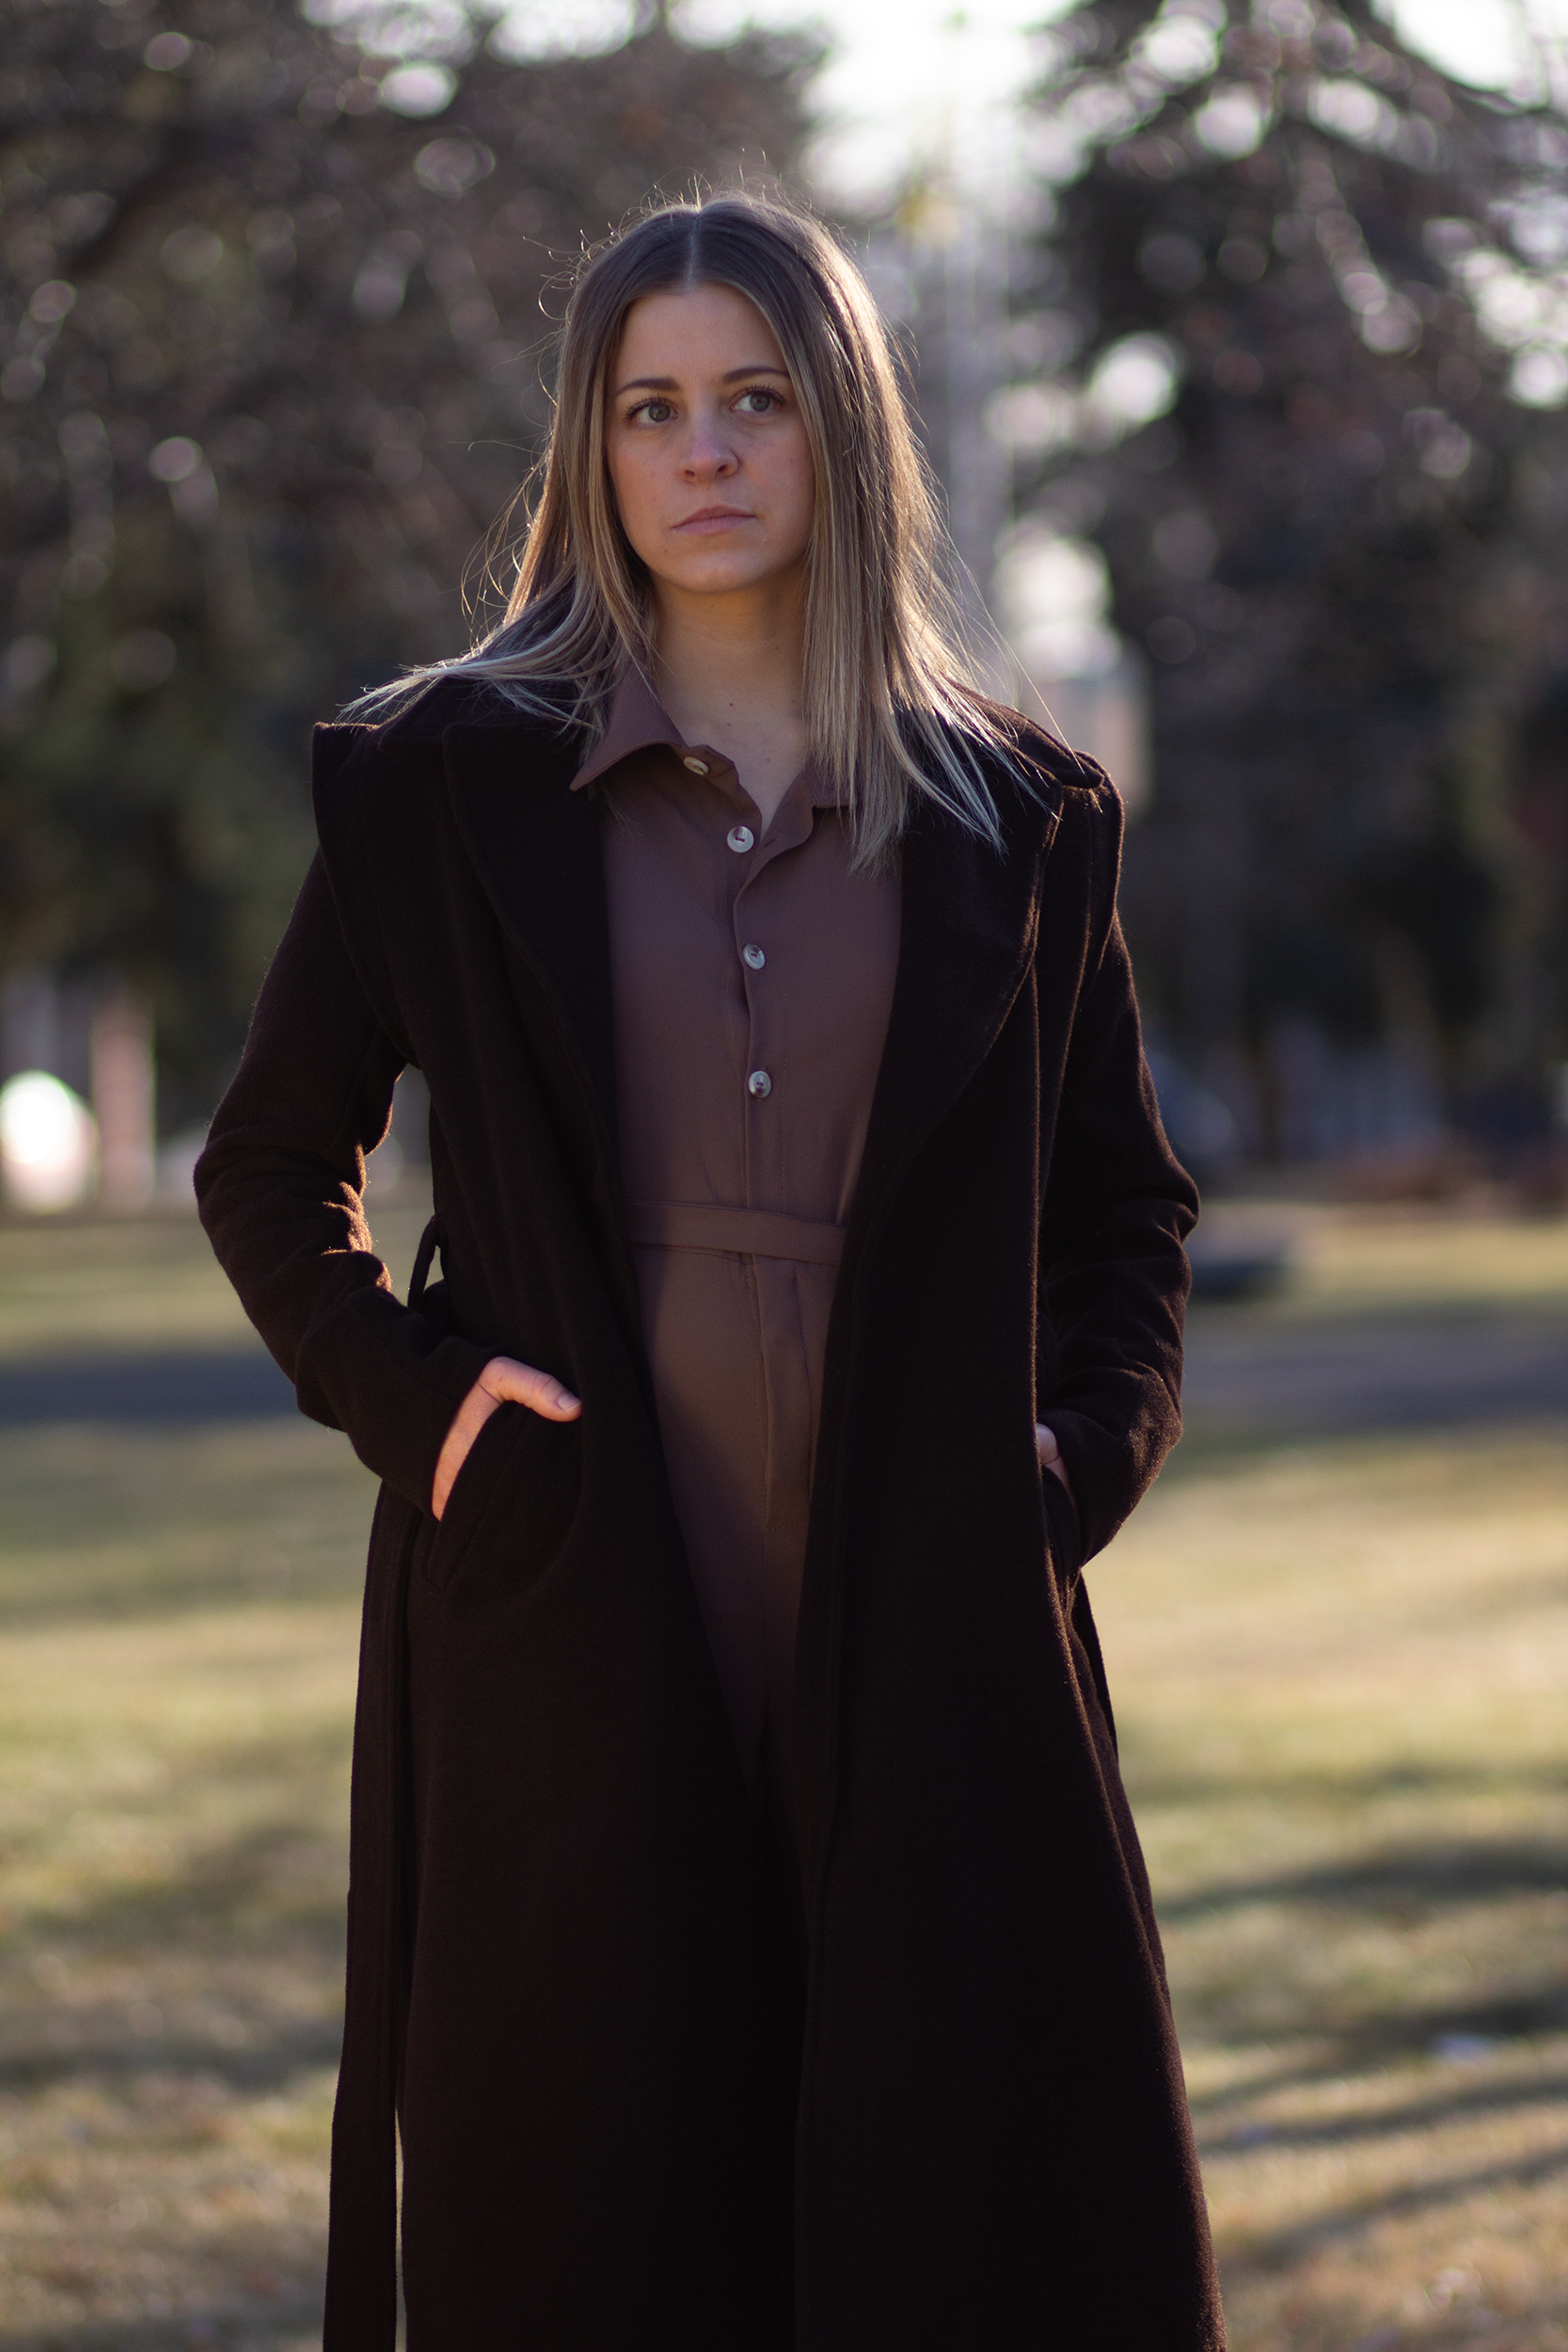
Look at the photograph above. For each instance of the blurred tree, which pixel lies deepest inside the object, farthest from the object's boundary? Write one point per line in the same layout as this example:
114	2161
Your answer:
1308	297
276	300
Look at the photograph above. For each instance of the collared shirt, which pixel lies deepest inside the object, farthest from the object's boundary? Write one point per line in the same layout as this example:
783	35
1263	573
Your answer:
752	978
752	975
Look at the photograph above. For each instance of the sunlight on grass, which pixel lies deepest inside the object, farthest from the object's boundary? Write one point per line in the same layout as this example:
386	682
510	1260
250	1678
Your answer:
1372	1260
174	1763
70	1288
1338	1671
1339	1676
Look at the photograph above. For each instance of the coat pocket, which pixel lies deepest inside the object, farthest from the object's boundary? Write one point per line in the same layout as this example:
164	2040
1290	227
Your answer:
1064	1538
511	1504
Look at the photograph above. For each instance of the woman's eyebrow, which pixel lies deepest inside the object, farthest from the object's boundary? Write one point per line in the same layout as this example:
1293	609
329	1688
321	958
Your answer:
669	384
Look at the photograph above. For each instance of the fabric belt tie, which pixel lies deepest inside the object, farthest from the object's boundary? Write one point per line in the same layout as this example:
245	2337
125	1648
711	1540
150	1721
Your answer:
737	1232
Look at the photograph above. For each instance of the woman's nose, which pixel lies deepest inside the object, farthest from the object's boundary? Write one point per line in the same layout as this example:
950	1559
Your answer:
707	452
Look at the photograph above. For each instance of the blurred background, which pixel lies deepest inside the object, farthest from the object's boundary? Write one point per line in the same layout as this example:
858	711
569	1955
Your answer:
1239	330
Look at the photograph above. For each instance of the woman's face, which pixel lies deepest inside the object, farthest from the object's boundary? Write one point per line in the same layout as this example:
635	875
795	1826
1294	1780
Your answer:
708	458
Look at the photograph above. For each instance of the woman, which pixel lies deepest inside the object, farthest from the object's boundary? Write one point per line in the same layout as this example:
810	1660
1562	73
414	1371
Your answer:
748	1937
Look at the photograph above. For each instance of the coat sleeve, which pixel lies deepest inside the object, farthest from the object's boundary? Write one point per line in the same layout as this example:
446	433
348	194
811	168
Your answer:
280	1187
1117	1208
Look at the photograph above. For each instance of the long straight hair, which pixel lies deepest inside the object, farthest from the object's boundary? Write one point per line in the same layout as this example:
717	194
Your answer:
893	709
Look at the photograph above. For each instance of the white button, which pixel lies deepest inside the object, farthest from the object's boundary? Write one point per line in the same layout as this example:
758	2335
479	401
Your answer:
759	1082
698	767
754	957
740	838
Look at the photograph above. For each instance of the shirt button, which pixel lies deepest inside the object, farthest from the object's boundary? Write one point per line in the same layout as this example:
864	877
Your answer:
759	1084
754	957
740	838
698	767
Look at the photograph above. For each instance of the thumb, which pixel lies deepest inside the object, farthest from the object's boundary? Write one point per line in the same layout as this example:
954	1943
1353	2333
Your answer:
512	1383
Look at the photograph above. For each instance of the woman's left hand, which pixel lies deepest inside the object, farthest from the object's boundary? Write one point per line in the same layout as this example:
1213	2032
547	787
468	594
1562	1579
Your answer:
1051	1458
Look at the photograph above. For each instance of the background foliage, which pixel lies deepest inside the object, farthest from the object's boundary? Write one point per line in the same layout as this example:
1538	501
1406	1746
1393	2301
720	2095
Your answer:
1341	548
279	297
276	351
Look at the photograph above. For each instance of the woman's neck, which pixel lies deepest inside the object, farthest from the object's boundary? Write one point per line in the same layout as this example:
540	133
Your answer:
731	674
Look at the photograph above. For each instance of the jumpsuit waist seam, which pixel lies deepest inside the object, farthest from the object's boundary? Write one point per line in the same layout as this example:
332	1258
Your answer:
733	1233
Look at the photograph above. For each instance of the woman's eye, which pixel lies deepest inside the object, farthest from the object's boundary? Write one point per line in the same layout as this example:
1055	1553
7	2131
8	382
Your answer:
651	412
757	402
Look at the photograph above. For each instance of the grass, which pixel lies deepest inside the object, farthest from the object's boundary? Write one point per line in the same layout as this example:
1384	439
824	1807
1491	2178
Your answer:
176	1690
1354	1263
1339	1671
88	1286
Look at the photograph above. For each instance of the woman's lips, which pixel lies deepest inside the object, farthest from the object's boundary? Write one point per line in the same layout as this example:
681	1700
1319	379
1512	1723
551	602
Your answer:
715	518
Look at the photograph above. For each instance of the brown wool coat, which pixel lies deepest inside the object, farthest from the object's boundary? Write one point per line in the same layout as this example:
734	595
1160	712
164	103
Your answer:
563	1970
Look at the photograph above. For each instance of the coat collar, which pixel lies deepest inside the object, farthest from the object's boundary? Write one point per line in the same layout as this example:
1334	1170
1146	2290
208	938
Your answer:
967	930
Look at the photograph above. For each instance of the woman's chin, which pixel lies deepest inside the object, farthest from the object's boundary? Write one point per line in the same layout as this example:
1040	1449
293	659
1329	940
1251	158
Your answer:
716	573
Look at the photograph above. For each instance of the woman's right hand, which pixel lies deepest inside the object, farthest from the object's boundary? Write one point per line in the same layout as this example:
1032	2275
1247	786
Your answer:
503	1381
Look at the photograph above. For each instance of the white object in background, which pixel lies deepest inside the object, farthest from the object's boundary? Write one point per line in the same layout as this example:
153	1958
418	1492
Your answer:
48	1142
121	1050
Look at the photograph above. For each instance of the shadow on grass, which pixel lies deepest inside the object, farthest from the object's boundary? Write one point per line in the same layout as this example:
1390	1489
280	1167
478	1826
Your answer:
270	2064
264	1884
1277	2247
1217	1440
189	1387
1412	2115
1331	2017
230	1965
257	2324
112	1525
1411	1880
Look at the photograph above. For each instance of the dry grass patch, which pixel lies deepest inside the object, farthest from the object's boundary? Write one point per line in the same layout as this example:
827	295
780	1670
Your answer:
1402	1257
1339	1673
91	1285
173	1821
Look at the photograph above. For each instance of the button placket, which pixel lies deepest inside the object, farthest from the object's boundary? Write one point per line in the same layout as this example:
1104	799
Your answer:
762	1040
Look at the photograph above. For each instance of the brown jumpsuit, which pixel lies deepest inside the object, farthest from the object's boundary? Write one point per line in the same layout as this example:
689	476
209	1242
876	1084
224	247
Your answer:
753	979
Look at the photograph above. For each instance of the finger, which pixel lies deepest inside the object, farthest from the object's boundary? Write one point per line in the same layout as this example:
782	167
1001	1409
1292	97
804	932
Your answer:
1045	1445
469	1420
512	1383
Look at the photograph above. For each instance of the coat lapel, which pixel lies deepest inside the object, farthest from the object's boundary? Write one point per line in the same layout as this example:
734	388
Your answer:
967	930
536	847
969	920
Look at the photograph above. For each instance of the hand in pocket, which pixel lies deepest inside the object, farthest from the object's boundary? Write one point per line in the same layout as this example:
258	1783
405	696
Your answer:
503	1381
1051	1458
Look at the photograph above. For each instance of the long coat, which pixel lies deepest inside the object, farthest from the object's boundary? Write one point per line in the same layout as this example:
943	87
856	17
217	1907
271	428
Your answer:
619	2133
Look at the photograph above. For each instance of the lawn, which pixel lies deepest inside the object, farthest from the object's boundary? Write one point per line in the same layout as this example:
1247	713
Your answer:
1339	1673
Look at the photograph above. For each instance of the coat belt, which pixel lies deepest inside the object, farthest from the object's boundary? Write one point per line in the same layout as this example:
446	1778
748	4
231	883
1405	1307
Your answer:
745	1232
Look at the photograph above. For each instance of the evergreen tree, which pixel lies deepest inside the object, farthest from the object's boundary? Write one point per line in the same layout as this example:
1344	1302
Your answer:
1349	265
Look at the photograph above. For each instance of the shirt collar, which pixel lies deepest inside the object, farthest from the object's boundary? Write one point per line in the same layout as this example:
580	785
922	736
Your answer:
638	719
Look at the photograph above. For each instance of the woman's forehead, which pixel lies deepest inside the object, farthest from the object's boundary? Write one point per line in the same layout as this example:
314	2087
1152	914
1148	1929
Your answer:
690	328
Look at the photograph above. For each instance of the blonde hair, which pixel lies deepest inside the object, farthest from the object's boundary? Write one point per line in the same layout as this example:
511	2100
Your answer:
891	707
